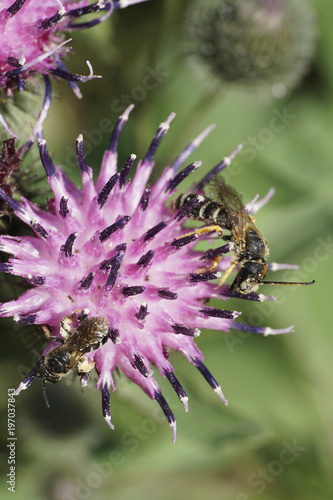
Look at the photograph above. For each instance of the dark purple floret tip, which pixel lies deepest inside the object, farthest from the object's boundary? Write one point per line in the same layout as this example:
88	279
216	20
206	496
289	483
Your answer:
205	372
12	203
29	319
139	364
114	263
154	230
114	335
165	293
103	195
67	248
146	258
106	264
145	199
118	128
38	229
208	376
106	401
165	407
167	412
89	9
258	330
107	232
81	157
185	330
211	254
129	291
106	404
86	282
15	7
36	280
61	71
212	173
181	176
161	131
177	387
5	267
207	276
45	158
45	24
126	170
64	210
184	240
27	381
142	313
218	313
188	208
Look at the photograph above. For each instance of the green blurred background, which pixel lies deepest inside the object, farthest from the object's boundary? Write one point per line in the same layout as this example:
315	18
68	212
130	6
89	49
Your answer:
275	439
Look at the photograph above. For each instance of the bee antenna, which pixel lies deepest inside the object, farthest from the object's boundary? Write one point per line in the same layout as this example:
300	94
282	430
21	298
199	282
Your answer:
287	283
44	394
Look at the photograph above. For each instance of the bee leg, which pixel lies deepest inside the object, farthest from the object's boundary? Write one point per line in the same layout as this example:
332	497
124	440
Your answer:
212	267
226	274
106	404
215	262
66	330
44	393
50	337
206	229
84	366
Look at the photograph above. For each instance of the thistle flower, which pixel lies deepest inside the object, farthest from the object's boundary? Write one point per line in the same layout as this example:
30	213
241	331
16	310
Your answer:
32	37
265	45
113	254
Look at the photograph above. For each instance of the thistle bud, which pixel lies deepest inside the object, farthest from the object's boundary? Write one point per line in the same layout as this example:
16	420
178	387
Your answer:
264	45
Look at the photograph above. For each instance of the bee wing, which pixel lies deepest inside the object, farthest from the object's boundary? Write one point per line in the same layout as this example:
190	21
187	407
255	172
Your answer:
77	344
224	194
89	333
232	202
67	347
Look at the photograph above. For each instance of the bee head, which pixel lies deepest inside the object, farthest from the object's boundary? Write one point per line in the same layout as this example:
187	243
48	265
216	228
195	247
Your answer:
249	277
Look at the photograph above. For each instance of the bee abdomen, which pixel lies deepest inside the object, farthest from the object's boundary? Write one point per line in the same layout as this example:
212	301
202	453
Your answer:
207	210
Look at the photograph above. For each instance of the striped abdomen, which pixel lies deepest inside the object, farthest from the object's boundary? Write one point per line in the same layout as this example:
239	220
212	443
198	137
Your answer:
208	211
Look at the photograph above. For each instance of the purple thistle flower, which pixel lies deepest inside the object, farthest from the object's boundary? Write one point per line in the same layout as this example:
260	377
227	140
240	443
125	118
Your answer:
32	37
113	253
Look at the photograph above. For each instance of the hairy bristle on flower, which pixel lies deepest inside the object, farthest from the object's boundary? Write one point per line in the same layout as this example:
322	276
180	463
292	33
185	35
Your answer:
112	271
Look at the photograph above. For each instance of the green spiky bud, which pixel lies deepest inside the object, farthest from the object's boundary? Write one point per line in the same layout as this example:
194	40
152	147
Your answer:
266	45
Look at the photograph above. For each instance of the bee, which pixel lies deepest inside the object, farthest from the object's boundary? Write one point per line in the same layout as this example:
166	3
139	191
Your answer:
90	335
225	211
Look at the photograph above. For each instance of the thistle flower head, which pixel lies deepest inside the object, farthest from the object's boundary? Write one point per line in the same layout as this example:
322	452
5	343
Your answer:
111	266
32	37
266	45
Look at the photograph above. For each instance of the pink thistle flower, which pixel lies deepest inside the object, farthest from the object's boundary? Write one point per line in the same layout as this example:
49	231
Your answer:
113	263
32	37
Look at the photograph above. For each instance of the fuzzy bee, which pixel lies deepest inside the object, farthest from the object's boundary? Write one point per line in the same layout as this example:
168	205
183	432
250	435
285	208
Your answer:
224	211
90	335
